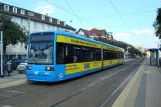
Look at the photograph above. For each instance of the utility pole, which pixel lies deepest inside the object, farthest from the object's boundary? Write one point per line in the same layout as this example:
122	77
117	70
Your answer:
28	33
1	54
28	26
158	54
1	34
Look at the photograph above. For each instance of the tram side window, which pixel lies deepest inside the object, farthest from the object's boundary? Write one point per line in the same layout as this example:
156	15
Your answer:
92	54
108	55
122	55
105	55
77	54
85	54
60	53
115	55
118	55
98	54
68	57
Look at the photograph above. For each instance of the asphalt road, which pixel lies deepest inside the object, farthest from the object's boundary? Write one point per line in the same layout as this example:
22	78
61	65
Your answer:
92	90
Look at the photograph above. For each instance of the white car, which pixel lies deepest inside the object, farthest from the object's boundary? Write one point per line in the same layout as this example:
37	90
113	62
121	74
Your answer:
21	68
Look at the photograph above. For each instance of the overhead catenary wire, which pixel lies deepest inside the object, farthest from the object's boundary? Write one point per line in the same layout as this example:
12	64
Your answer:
123	14
13	2
72	13
121	17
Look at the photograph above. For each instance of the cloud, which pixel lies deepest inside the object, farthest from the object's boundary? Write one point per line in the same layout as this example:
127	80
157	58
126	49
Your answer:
44	7
121	35
143	31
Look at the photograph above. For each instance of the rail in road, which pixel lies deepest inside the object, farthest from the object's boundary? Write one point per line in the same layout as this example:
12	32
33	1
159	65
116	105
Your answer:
92	90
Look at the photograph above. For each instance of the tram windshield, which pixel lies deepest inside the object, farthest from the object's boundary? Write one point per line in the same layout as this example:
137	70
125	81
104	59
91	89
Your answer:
41	48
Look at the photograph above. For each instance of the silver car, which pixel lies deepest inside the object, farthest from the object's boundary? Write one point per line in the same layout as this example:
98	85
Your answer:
21	68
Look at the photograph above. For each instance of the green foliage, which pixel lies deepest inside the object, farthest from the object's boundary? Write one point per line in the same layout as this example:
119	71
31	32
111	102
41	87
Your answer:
144	54
157	23
131	49
13	33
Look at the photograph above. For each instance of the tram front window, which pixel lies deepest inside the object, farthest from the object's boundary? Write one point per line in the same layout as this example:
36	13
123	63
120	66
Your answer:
41	49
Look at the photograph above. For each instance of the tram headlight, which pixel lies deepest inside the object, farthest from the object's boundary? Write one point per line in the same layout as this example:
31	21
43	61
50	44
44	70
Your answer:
49	68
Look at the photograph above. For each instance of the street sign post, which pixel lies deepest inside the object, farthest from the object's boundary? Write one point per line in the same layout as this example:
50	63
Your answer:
1	54
1	37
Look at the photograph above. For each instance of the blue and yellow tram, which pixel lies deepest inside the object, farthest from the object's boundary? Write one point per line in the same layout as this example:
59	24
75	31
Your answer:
55	56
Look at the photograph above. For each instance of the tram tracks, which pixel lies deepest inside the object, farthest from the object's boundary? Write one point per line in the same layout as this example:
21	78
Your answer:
99	81
57	94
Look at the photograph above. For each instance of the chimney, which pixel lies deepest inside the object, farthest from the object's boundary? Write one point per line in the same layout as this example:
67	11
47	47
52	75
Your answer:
46	14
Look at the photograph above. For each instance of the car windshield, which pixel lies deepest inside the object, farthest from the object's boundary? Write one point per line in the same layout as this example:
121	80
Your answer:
41	49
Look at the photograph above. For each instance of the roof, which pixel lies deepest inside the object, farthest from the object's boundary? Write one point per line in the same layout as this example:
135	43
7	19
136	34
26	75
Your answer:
153	49
35	17
92	31
87	32
97	32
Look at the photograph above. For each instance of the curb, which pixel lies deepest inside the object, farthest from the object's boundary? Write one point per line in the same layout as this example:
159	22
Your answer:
119	102
12	83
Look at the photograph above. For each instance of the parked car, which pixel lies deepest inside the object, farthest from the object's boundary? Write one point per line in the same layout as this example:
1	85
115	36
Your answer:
15	62
21	68
5	72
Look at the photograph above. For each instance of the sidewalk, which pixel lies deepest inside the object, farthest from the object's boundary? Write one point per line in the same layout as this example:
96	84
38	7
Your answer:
143	90
13	80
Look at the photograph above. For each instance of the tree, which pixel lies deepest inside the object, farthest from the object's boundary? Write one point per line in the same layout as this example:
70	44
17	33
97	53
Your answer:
144	54
13	33
157	24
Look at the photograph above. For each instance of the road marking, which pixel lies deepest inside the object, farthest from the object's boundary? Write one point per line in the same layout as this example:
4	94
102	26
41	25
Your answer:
147	72
15	91
6	106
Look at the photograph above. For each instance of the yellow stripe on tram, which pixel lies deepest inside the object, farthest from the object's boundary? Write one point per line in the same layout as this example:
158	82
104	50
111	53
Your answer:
70	40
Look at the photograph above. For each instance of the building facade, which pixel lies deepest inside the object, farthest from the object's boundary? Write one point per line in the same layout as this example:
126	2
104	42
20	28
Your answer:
32	22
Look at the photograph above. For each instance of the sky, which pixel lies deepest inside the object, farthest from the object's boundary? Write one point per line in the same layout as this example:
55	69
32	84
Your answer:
135	27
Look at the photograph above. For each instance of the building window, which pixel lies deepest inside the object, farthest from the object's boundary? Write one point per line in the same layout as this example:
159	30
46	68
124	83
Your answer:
48	27
43	25
30	14
14	9
35	24
50	19
6	7
22	12
22	21
58	21
55	28
43	17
